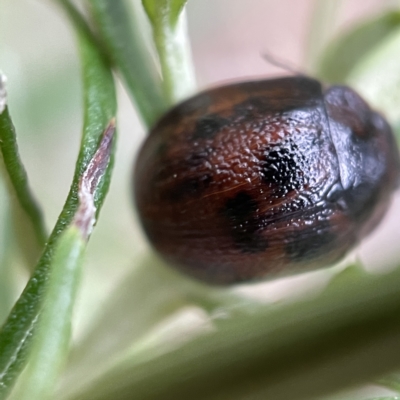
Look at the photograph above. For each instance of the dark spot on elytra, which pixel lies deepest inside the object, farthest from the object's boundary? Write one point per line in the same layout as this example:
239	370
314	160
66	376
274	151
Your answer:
281	170
179	179
248	240
309	243
185	111
189	187
241	214
208	126
240	207
196	159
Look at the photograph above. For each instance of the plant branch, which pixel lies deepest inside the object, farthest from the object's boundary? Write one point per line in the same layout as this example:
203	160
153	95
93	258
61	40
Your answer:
50	346
168	20
26	211
100	108
52	334
118	28
348	335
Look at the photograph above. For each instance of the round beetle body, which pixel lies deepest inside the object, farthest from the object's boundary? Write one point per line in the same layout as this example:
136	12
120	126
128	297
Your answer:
263	178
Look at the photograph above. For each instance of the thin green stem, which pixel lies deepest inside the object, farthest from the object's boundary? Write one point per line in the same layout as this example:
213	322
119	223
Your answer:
27	213
6	275
100	108
168	20
52	335
118	27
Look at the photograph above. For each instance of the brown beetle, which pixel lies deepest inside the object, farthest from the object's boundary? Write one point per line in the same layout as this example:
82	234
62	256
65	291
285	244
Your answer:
263	178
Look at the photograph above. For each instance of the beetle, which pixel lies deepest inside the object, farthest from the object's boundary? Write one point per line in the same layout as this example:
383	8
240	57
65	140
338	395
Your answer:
263	178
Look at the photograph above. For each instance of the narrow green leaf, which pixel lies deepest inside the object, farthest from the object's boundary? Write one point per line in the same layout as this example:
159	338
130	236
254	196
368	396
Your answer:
26	212
52	334
6	274
171	39
100	108
342	338
343	54
119	30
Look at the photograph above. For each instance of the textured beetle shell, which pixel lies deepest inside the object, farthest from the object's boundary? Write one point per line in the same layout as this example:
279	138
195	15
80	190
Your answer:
264	178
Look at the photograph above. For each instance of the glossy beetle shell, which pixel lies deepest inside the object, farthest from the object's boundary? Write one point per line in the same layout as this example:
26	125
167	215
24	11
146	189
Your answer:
263	178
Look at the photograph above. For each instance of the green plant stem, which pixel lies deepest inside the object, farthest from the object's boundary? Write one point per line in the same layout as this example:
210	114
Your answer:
100	108
168	20
6	275
118	29
50	346
26	211
344	337
149	294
